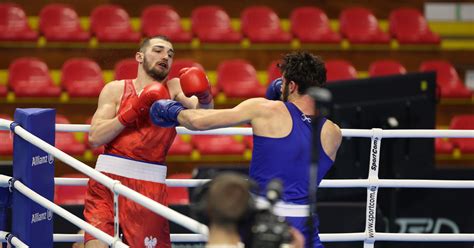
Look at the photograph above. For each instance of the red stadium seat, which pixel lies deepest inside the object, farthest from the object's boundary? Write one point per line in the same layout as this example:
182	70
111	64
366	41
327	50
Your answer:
359	25
212	24
409	26
217	145
262	25
59	22
3	90
311	24
273	71
82	77
6	139
65	141
178	195
70	195
463	122
447	79
29	77
126	69
238	78
163	20
180	147
386	67
179	64
14	24
443	146
339	70
111	23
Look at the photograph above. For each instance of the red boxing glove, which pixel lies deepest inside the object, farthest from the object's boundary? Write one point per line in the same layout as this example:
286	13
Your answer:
194	82
141	105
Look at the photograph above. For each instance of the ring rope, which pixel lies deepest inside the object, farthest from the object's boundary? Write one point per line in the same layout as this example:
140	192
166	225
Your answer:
176	237
325	183
325	237
12	239
360	133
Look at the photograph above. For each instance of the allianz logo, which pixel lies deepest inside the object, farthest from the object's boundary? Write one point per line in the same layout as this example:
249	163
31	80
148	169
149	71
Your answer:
37	160
37	217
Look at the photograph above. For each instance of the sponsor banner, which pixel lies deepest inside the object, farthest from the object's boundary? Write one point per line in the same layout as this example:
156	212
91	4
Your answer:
434	211
32	223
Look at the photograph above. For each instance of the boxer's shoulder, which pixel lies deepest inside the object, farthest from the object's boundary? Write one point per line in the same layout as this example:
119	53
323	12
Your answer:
113	90
116	85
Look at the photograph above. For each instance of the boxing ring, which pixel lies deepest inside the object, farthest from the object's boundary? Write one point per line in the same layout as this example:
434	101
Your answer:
369	236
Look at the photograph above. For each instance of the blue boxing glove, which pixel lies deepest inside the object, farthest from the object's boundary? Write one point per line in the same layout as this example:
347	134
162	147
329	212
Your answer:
274	90
164	113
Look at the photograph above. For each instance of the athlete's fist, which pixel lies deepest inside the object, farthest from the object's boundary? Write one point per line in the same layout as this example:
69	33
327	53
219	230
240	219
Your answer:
274	90
194	82
141	105
164	113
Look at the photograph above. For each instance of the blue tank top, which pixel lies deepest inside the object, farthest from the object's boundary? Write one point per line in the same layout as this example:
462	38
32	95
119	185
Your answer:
289	158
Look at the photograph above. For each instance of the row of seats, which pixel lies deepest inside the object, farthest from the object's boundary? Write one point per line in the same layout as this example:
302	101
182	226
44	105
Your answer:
236	78
465	145
224	144
211	23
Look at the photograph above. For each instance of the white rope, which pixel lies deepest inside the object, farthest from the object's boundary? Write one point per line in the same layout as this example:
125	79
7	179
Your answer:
63	237
426	237
5	124
410	133
174	237
14	241
439	184
170	214
362	133
62	212
326	183
339	237
325	237
169	182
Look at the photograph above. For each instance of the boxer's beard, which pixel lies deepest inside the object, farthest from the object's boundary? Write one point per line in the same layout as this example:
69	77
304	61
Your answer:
153	72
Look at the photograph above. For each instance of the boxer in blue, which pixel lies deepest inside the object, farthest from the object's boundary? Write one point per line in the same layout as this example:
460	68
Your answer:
282	133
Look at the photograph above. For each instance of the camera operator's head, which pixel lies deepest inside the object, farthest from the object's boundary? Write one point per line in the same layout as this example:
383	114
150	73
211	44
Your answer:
225	205
228	200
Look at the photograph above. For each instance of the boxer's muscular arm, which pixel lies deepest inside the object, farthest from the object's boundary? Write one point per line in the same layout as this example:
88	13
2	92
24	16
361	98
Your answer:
245	112
331	138
105	125
177	94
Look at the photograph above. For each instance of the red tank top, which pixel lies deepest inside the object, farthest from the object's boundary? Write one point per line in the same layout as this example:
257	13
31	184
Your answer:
143	141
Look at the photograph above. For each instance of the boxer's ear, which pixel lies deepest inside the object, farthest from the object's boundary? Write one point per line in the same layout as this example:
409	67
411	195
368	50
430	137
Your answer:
139	57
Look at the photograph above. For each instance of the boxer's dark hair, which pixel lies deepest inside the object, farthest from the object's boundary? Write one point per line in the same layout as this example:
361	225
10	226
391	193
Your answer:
303	68
146	41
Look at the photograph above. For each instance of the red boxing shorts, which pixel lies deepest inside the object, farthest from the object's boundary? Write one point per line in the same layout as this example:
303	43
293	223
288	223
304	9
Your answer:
140	227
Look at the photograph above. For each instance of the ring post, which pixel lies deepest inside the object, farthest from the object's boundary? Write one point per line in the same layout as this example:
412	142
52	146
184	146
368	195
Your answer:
32	223
5	196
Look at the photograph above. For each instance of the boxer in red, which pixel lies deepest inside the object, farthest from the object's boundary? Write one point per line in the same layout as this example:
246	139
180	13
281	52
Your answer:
135	149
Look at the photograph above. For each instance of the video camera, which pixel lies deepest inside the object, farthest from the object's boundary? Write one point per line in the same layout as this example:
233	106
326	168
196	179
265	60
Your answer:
258	227
269	230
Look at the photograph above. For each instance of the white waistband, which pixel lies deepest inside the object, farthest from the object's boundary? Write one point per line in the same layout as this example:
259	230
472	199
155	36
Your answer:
131	168
282	208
